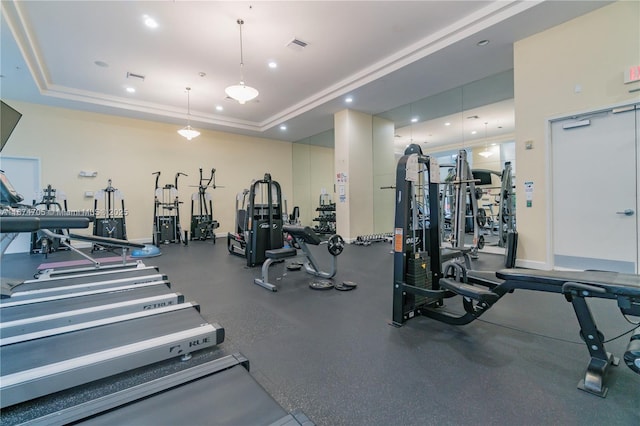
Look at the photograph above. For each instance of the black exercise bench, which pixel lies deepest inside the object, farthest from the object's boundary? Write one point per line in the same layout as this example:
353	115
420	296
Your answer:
576	287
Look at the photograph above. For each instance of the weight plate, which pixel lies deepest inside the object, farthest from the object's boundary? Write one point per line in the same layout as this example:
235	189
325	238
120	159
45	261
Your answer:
335	245
480	242
342	287
321	285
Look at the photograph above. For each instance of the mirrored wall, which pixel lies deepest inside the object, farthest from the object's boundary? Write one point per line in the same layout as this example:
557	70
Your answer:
477	117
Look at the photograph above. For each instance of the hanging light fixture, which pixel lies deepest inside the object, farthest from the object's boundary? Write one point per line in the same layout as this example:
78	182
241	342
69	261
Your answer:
486	153
241	92
189	132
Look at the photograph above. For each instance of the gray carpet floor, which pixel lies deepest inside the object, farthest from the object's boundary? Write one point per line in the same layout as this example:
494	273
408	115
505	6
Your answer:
335	356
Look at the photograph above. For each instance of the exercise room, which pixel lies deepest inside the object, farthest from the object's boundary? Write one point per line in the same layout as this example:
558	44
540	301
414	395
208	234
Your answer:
320	213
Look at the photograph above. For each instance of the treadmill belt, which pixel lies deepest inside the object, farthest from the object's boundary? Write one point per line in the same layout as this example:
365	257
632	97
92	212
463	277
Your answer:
84	279
230	397
54	349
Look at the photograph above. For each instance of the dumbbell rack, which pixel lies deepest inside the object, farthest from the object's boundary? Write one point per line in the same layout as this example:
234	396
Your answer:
326	217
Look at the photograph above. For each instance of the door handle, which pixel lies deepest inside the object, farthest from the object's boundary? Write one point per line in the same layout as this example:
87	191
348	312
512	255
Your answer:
627	212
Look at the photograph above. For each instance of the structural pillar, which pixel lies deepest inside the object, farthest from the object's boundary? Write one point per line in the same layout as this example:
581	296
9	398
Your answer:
353	173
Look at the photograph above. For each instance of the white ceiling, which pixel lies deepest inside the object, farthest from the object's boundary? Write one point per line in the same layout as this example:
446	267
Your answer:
382	53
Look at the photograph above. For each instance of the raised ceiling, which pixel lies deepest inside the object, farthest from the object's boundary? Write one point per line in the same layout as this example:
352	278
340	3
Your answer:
77	54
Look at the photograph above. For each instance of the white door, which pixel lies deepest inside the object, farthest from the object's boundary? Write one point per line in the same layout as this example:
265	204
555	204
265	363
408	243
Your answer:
24	175
595	192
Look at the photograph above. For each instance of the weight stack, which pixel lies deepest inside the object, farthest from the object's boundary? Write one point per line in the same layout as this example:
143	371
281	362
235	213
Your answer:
418	275
416	272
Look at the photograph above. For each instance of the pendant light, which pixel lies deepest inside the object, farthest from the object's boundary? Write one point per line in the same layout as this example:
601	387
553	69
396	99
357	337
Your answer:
486	153
241	92
189	132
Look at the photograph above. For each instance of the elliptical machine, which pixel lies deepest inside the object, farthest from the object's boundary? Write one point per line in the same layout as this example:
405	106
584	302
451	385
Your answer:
166	213
203	225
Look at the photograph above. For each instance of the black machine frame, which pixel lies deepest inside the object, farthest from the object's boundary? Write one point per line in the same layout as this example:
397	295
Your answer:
110	221
166	212
416	293
260	225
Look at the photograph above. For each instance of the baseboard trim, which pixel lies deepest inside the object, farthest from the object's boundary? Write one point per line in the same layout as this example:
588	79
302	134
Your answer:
532	264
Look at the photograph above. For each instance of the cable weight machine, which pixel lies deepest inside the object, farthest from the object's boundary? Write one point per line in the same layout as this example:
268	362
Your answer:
109	221
166	213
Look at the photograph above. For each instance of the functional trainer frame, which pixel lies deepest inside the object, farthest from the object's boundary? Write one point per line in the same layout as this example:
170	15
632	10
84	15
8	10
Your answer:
424	294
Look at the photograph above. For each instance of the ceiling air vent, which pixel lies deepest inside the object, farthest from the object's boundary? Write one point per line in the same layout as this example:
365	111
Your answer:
297	44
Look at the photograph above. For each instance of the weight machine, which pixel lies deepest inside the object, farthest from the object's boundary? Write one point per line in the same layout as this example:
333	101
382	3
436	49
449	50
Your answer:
422	280
166	213
110	221
302	235
503	222
463	195
203	225
50	204
259	221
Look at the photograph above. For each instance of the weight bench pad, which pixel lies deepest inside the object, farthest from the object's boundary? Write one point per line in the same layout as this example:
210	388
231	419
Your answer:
303	232
613	282
281	253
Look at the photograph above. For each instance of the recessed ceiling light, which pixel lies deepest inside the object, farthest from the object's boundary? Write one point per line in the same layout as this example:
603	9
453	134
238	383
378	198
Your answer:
150	22
349	100
473	132
102	64
219	108
414	120
283	127
482	43
447	124
131	90
273	65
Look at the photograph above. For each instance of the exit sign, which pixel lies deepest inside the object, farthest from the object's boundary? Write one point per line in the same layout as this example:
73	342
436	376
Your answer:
632	74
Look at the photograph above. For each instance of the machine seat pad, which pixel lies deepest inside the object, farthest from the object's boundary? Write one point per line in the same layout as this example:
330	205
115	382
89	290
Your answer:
485	278
470	291
304	232
612	282
281	253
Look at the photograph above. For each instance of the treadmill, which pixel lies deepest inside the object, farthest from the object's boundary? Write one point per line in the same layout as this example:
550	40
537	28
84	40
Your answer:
59	315
220	392
50	288
38	367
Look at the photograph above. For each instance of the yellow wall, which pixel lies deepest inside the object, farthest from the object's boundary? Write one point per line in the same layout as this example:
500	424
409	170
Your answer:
313	173
591	52
128	151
